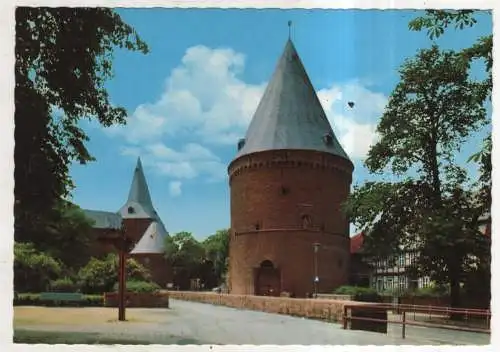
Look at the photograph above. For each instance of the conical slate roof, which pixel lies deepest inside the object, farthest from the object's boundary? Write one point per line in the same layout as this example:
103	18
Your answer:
139	204
152	241
289	115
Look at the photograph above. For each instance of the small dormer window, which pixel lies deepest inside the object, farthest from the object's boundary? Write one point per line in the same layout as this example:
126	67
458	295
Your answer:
131	210
241	143
328	139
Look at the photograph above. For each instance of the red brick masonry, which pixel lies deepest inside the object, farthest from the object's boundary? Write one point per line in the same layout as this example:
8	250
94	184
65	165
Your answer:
138	300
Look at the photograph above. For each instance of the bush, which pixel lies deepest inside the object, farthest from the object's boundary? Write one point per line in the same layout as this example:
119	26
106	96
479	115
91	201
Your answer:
33	299
361	294
65	284
33	269
99	275
140	287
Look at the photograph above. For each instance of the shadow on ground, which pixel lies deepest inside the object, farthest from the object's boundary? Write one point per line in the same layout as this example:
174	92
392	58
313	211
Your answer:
85	338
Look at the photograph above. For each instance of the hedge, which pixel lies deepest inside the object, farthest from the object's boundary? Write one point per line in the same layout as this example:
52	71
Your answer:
139	287
360	294
33	299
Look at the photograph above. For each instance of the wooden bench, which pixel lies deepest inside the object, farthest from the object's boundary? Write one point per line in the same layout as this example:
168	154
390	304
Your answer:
55	297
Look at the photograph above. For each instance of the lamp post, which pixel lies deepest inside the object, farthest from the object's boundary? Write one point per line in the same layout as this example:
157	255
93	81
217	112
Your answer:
316	246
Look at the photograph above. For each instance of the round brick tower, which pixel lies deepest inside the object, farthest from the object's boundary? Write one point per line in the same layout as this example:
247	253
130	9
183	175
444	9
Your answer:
288	182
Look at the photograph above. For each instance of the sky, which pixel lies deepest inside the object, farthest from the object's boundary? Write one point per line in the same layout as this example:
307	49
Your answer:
192	97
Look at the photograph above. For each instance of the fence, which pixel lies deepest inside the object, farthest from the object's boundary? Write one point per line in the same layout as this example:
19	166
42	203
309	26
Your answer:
472	320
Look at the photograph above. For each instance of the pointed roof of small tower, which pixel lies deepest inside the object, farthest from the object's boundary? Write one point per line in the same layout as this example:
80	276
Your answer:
152	242
290	115
139	204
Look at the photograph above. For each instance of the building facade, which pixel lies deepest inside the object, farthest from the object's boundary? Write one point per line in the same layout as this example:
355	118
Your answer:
287	183
142	227
394	274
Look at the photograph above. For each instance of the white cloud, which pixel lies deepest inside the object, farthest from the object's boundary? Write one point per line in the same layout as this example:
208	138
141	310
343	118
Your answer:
203	100
175	188
205	103
355	127
189	162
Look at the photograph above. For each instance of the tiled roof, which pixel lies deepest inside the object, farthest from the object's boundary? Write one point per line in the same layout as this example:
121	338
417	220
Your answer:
357	242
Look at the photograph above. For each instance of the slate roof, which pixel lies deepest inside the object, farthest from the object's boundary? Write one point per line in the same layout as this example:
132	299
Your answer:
139	204
289	115
104	219
152	241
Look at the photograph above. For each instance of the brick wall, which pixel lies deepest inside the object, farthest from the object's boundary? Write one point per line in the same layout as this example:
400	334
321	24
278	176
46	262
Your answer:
310	308
138	300
281	203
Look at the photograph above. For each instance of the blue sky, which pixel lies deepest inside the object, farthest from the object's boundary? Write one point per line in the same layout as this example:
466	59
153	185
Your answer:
193	96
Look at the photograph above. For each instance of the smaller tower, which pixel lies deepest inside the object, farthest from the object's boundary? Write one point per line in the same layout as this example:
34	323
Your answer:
145	228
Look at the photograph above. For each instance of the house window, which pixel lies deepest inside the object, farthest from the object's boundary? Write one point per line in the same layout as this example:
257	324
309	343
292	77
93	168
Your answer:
284	190
131	210
328	139
401	260
306	221
241	143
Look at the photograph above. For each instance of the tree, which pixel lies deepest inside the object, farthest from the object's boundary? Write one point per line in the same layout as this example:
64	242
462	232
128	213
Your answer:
185	254
33	269
430	113
217	252
63	58
436	22
69	235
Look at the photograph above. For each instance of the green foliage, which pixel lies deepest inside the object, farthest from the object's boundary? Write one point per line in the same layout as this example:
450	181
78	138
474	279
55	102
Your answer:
432	111
217	251
360	294
100	275
191	259
33	299
62	60
186	255
436	22
139	286
69	236
65	284
33	269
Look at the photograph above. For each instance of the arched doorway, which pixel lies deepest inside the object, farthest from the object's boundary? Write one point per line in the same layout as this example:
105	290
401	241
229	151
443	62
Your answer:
267	279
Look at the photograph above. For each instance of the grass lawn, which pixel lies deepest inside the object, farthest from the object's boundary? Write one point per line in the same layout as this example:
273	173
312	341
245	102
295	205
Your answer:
51	325
72	316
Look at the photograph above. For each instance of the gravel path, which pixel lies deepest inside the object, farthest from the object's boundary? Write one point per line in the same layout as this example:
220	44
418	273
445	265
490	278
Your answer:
208	324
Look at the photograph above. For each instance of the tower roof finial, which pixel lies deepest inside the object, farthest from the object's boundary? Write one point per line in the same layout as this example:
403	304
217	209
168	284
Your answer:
289	29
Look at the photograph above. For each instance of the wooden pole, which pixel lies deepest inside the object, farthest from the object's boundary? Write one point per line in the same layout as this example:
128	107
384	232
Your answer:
121	279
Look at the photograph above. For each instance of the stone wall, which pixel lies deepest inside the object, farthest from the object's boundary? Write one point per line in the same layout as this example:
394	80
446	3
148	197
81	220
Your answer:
138	300
310	308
